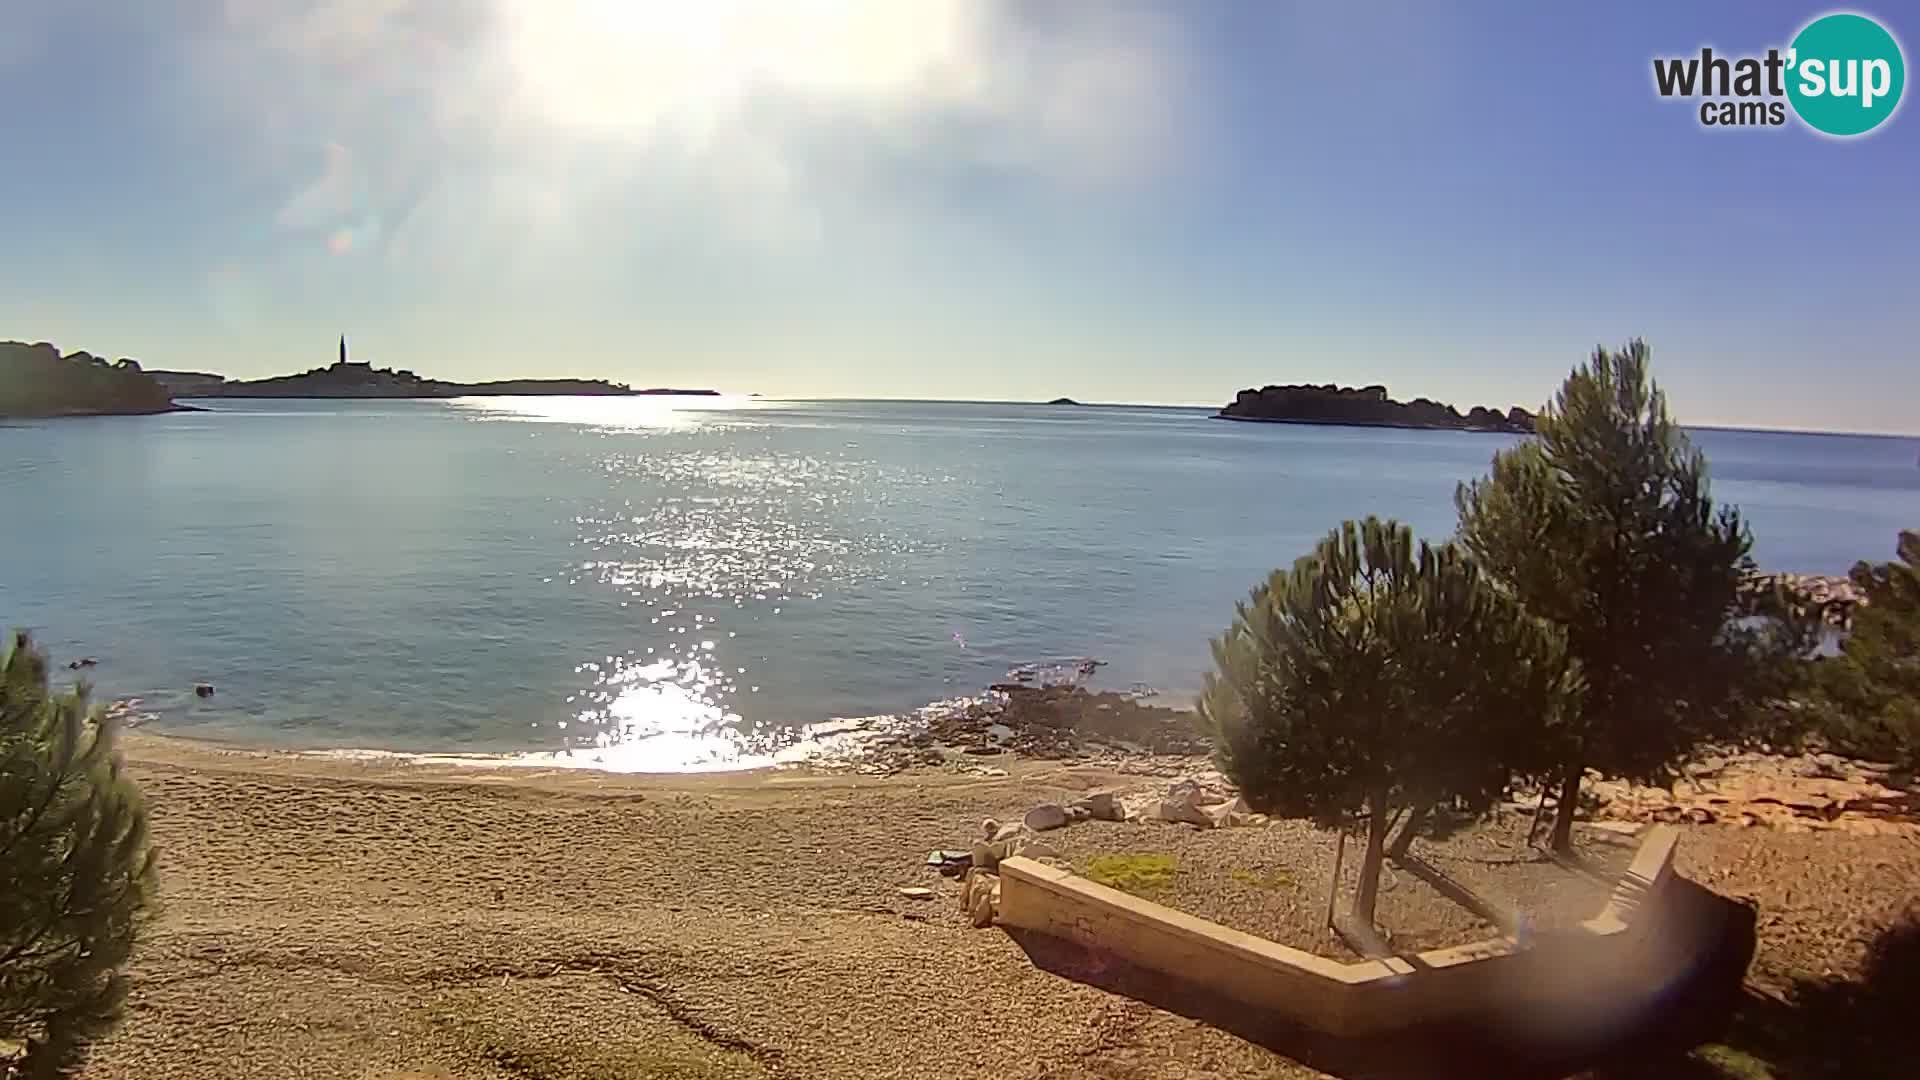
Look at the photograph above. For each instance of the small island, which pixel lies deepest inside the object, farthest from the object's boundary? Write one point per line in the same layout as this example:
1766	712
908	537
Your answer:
1367	406
36	381
1063	401
345	379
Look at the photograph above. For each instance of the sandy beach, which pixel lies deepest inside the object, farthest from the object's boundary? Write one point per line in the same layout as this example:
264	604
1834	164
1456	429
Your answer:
338	918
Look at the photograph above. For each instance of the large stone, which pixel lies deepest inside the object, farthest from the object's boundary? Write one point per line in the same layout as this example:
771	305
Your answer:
980	897
1102	806
1012	830
1231	812
1046	816
981	914
1180	810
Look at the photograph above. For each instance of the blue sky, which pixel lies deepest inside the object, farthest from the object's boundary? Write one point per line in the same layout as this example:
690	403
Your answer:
947	198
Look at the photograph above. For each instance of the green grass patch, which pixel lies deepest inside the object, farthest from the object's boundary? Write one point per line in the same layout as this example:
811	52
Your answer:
1733	1064
1136	874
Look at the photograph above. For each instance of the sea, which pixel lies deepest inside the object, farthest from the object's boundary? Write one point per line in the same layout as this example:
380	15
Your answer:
683	583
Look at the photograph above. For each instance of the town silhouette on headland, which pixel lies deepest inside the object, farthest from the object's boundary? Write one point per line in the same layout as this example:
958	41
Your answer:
36	380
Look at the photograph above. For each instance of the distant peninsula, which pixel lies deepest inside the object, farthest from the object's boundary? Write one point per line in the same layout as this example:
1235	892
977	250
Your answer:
36	381
345	379
1366	406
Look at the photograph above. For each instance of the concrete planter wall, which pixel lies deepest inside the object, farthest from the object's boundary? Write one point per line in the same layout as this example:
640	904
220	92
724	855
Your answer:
1602	975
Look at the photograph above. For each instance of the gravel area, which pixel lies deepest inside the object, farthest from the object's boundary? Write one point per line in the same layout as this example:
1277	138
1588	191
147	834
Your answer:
1272	880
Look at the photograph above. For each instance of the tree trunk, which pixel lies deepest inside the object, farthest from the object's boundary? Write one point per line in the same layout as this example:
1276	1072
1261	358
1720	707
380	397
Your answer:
1370	867
1563	813
1416	819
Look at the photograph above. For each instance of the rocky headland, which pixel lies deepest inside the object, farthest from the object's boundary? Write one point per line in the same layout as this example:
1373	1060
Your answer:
359	380
1366	406
36	380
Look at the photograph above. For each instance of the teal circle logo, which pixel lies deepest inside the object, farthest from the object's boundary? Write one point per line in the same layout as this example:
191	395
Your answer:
1845	73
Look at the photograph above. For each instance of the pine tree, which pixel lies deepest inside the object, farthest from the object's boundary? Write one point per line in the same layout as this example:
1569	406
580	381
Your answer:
1871	691
1603	525
1379	677
75	870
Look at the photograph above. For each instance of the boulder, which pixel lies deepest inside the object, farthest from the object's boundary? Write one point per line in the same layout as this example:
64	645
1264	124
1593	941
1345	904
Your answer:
1078	813
1185	802
1199	792
1046	816
980	896
1102	806
989	828
1012	830
203	689
981	913
1223	815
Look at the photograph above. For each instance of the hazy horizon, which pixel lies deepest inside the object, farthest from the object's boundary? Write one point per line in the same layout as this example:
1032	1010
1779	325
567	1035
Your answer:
1125	202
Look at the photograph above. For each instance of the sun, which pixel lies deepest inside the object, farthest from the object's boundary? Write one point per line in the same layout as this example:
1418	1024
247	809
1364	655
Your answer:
632	66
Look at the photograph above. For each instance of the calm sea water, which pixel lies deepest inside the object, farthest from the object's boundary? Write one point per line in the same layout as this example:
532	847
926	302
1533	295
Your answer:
534	574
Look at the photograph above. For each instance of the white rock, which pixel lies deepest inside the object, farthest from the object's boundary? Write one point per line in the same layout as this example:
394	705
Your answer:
1232	812
1180	809
917	893
1010	830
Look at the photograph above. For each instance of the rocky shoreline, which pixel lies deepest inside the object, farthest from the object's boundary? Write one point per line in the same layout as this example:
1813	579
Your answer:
1832	597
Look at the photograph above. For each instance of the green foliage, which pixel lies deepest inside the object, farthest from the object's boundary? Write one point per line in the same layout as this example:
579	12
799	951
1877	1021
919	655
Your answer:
1377	676
1603	525
35	380
75	869
1140	875
1869	695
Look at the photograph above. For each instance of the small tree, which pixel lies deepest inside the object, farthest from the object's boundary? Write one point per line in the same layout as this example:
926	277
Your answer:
1603	525
1379	677
1870	693
75	869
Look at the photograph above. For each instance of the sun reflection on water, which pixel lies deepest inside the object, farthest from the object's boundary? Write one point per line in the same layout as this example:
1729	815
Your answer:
704	543
645	412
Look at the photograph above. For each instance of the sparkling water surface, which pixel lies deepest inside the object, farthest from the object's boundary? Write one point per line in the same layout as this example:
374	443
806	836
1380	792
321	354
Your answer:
684	582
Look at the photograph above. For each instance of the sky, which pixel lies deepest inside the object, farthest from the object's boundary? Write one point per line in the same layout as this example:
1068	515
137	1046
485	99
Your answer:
960	199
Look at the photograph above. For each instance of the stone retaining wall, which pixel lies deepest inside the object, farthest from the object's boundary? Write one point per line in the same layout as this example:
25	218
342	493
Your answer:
1600	976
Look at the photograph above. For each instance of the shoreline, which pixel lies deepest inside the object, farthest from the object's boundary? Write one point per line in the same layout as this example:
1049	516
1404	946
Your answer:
937	732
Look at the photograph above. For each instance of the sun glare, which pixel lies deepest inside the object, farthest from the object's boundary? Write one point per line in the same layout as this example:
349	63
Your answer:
631	66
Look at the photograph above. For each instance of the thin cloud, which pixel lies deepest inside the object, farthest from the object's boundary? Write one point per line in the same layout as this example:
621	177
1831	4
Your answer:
764	112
